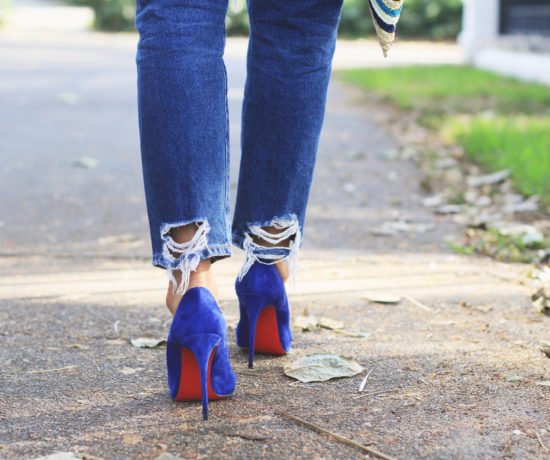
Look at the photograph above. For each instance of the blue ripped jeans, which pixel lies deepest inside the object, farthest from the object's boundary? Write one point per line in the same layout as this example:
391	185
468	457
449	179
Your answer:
184	135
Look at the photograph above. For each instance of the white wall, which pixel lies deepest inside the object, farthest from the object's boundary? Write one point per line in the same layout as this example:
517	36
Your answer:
479	25
523	65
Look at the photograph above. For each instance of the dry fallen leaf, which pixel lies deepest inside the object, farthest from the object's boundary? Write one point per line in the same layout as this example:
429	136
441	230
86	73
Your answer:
128	371
541	301
145	342
358	334
328	323
481	308
545	348
393	228
531	204
115	327
85	163
449	209
310	322
322	367
489	179
382	297
306	322
432	201
528	234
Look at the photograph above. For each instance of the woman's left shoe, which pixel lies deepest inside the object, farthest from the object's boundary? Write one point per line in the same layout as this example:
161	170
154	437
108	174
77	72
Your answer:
264	324
196	352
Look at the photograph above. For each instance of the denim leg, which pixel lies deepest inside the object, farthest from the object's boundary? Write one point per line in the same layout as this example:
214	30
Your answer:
183	123
288	69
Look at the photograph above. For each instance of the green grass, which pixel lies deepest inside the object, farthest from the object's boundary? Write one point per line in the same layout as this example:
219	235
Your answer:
521	144
508	124
452	89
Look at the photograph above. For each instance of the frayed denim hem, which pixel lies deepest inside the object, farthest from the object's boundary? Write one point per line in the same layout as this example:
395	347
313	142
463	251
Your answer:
286	229
212	252
186	256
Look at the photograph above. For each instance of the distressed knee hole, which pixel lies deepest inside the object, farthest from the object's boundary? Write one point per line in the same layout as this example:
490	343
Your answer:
271	243
183	256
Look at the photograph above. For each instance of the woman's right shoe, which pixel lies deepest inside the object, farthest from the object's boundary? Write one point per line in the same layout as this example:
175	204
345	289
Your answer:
264	324
197	358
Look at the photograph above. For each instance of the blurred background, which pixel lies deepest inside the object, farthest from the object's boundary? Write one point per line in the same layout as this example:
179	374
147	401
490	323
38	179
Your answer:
475	73
441	148
435	20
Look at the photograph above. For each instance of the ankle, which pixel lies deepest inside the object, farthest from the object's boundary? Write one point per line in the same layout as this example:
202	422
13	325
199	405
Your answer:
282	268
201	277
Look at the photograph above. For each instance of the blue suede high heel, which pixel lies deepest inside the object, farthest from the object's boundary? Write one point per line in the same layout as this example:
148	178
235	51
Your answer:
264	324
197	358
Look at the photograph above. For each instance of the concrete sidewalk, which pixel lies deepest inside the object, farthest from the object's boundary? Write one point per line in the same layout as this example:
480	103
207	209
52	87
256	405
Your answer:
456	370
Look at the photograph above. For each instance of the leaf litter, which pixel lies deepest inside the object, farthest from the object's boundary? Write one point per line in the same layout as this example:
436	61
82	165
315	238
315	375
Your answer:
322	367
129	370
488	179
306	322
394	228
85	162
328	323
481	308
383	297
545	348
541	300
357	334
147	342
513	378
309	323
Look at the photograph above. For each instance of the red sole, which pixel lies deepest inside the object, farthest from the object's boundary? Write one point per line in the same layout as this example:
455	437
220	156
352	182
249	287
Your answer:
190	380
267	333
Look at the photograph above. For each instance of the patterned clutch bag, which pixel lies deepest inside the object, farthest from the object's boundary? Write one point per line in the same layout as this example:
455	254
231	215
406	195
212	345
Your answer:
385	15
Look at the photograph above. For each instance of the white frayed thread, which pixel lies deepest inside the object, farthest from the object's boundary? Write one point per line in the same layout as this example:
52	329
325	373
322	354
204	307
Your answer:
190	256
288	229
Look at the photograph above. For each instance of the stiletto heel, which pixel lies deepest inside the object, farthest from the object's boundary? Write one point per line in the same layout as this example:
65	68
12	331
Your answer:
203	347
196	354
252	320
264	324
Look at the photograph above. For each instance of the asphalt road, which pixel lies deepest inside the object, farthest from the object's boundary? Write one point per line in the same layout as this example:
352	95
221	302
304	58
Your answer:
456	373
